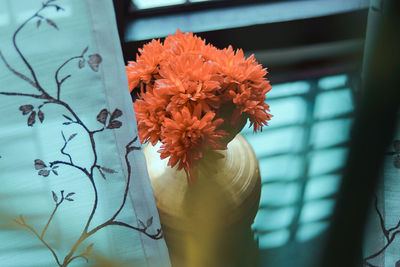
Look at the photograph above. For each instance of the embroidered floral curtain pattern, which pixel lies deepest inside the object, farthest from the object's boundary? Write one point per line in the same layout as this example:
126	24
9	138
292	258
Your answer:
382	242
74	182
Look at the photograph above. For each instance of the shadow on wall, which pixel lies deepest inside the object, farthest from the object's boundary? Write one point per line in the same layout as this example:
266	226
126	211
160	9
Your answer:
301	154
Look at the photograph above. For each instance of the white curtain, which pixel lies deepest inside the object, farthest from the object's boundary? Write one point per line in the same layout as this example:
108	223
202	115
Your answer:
74	188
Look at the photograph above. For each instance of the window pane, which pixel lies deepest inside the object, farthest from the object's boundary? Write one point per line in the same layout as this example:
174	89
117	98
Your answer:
143	4
301	157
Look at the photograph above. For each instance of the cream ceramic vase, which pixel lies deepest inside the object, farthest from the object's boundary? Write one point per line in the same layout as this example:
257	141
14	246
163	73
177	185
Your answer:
207	223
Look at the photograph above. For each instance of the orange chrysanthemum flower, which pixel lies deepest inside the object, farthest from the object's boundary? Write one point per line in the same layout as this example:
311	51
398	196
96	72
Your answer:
185	88
187	134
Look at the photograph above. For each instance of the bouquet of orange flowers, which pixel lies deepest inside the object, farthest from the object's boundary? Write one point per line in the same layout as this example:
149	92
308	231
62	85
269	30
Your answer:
192	94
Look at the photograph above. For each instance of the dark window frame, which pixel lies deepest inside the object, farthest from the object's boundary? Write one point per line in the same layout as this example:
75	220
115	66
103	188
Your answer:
190	7
278	37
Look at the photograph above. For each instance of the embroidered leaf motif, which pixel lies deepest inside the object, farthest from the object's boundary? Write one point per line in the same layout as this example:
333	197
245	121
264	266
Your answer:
114	124
41	116
149	221
68	118
53	169
17	221
81	63
20	220
116	114
72	137
107	170
85	50
39	164
38	23
55	198
69	195
94	62
102	174
26	109
102	116
89	248
58	8
44	173
51	23
141	224
32	118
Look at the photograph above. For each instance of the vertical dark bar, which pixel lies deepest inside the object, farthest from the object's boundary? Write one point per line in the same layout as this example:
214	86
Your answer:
121	8
310	98
371	134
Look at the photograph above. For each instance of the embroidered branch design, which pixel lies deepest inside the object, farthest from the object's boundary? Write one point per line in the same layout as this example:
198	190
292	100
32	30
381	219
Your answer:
392	232
108	120
389	234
